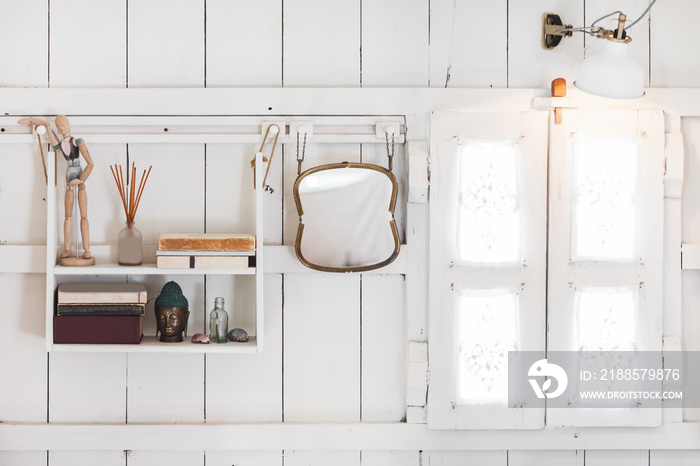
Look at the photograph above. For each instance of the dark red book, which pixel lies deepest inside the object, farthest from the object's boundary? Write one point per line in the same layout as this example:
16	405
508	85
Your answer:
98	329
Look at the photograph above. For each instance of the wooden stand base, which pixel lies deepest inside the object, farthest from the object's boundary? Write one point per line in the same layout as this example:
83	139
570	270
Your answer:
77	261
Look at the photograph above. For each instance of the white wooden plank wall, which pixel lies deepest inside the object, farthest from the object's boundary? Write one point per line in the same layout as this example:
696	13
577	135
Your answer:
468	44
258	24
335	344
321	348
26	61
88	43
165	43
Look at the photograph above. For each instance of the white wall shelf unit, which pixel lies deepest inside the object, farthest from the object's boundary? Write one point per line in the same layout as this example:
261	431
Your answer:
56	274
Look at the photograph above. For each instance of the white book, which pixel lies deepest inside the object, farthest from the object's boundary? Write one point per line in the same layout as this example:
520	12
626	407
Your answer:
101	293
202	262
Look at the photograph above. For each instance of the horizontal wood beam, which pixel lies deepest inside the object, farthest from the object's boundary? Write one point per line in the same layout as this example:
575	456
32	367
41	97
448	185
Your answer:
386	437
270	102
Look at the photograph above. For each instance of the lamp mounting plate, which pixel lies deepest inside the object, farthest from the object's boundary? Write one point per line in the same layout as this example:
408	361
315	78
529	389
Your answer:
553	30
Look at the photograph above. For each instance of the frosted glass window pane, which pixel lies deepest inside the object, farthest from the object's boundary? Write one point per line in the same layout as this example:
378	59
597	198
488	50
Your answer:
487	215
604	199
606	319
487	328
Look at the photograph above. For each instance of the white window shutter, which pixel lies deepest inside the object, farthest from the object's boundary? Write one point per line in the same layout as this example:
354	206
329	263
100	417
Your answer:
606	243
488	225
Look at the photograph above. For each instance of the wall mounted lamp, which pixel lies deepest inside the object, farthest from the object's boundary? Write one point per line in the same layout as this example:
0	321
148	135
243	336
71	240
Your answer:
611	72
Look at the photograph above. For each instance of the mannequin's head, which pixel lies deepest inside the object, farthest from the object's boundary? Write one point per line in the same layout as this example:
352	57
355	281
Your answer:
62	125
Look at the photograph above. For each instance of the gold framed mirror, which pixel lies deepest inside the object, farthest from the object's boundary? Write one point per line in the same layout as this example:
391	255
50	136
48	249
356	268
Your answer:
346	217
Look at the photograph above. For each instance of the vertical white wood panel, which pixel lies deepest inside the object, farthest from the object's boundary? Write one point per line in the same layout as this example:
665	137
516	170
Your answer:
545	458
383	348
395	43
391	458
229	188
171	458
244	43
87	458
88	43
24	458
321	458
674	458
87	388
617	457
243	458
166	43
165	388
468	42
23	203
674	61
462	458
529	65
321	43
639	47
24	62
247	387
23	364
322	348
316	154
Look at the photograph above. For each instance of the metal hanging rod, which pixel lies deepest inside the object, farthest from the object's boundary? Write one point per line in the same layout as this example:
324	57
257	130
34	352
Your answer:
217	129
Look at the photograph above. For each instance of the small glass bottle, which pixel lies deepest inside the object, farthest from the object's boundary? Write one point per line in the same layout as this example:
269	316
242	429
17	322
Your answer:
129	245
218	323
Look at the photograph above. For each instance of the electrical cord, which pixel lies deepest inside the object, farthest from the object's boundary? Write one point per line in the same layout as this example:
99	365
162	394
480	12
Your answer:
642	15
594	31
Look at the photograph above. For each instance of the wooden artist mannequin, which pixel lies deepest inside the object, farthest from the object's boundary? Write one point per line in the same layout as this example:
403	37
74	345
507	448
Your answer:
71	149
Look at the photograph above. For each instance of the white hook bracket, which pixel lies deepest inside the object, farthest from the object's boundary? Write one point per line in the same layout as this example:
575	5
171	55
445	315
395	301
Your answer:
275	127
301	127
391	128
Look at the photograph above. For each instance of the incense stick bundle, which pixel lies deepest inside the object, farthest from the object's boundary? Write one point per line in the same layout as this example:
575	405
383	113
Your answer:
131	197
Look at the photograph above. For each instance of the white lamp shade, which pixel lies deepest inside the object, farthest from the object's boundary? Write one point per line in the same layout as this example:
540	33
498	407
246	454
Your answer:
612	72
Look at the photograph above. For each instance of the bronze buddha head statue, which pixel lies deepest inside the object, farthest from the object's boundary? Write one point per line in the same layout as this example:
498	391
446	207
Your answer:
172	313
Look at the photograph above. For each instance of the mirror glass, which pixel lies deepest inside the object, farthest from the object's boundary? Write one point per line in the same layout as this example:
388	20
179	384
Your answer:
346	217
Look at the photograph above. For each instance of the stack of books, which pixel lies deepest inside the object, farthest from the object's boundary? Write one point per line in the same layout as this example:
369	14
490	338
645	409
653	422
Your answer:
205	251
110	313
